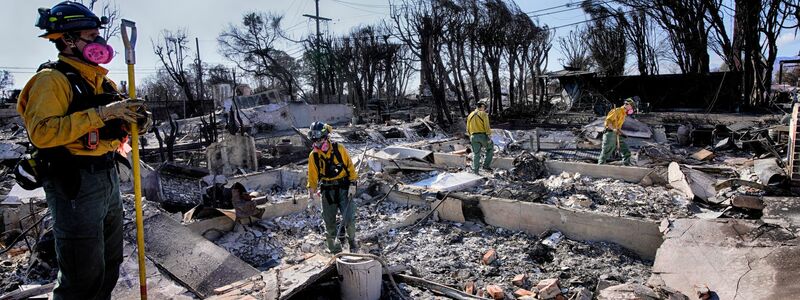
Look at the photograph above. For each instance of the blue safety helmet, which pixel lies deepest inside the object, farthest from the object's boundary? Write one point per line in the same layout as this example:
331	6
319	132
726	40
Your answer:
67	16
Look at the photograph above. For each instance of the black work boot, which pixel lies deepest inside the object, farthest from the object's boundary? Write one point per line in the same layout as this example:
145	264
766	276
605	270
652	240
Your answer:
353	245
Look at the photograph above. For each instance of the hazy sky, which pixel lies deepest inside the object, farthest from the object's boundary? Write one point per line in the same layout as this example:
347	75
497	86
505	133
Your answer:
21	51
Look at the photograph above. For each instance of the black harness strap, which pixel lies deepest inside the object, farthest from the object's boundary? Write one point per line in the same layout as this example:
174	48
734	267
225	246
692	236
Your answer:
329	162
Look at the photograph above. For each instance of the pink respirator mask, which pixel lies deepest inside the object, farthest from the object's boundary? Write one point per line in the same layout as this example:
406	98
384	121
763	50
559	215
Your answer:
629	111
322	145
98	51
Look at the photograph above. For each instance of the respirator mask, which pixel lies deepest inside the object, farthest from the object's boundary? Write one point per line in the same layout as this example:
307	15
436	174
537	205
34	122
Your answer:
96	51
322	145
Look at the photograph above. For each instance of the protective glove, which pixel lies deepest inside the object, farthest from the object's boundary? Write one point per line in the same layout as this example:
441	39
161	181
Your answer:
313	197
145	123
351	192
124	110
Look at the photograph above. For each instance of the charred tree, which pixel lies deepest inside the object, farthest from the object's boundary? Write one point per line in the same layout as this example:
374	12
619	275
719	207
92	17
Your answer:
171	50
418	24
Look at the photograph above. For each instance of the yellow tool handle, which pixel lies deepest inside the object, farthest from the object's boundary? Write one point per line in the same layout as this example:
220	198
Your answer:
130	59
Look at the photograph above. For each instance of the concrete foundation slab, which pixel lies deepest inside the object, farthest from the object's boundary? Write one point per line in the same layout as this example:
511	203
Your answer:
736	259
281	282
158	286
783	211
190	258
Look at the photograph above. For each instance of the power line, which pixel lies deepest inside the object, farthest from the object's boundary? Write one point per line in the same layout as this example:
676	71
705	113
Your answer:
552	7
356	7
366	5
564	10
590	20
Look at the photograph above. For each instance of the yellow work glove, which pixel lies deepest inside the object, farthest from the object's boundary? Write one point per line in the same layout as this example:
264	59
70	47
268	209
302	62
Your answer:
124	110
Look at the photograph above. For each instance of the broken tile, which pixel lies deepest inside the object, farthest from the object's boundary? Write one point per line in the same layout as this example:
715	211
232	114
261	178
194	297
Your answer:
469	288
495	292
548	288
523	292
519	280
489	257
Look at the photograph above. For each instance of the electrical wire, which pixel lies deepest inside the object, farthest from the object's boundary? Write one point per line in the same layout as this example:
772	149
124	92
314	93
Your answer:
589	20
358	8
552	7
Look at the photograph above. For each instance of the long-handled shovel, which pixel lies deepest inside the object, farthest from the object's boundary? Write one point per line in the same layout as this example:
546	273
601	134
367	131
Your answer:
130	60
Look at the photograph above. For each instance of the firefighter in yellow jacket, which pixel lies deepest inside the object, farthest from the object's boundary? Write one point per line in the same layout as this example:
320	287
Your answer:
76	119
613	137
331	170
480	136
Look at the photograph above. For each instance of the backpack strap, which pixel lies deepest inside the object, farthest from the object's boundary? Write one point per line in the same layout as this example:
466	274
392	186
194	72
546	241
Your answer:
329	161
318	163
339	158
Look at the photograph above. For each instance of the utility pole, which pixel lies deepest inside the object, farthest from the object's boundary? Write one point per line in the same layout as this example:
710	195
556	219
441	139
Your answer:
319	50
199	69
199	75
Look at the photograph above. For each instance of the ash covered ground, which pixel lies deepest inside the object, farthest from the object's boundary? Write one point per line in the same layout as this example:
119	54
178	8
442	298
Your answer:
445	252
451	254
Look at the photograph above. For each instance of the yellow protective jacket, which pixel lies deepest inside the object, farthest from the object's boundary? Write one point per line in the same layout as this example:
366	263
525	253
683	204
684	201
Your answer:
314	174
478	122
43	105
615	118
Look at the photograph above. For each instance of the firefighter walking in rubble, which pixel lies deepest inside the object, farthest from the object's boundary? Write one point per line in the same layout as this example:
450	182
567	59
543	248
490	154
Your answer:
77	120
613	139
480	136
330	169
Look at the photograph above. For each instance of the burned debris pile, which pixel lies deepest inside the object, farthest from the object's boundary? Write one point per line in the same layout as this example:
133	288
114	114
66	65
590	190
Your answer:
423	212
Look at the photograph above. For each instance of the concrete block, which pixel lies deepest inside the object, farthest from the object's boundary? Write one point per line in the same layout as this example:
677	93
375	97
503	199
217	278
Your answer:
232	153
640	236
